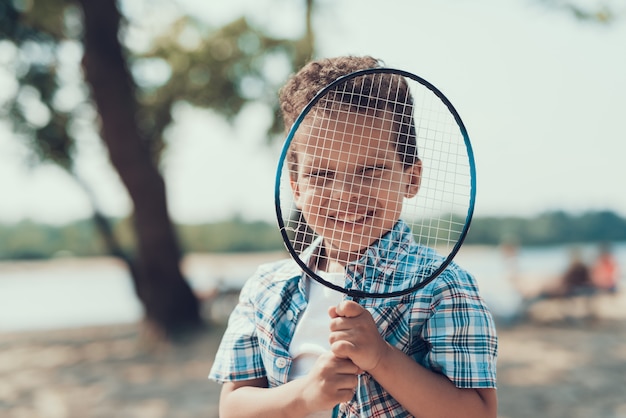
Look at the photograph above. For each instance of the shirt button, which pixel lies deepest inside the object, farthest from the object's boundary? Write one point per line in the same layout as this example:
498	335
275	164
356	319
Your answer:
289	315
281	362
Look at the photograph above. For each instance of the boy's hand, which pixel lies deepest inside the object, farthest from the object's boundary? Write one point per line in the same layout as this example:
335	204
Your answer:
331	381
354	335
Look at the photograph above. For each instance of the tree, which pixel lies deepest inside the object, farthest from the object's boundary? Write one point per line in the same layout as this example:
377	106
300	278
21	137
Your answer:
600	12
132	118
166	296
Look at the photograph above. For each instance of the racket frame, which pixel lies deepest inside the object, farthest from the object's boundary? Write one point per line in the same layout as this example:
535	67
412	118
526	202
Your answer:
356	293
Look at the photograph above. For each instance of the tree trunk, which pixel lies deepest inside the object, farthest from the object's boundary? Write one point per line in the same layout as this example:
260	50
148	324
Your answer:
168	300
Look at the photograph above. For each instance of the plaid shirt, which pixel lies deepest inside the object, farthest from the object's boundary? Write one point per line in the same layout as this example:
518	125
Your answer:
444	326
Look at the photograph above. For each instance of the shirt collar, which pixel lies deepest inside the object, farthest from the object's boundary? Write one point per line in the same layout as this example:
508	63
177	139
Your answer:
390	264
287	271
374	272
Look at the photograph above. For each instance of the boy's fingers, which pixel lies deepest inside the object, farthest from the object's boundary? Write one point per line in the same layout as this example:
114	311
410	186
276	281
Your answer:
349	309
342	349
348	367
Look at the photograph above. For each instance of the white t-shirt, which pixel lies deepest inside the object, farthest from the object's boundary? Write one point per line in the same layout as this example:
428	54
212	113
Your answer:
310	339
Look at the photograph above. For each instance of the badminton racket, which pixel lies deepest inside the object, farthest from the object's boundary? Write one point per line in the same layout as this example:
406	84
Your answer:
374	154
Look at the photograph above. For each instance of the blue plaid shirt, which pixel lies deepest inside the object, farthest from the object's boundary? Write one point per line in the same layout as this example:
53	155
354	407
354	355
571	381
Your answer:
445	326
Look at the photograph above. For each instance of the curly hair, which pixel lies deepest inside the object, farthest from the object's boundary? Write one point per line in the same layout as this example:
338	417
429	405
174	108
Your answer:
314	76
389	93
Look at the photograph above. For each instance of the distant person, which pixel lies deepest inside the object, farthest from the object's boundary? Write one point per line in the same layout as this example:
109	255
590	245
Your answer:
509	250
577	278
605	272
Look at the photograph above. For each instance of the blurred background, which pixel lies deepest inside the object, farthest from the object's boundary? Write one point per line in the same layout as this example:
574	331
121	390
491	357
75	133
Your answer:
138	141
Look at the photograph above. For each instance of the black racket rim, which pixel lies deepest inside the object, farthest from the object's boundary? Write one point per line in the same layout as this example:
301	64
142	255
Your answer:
356	293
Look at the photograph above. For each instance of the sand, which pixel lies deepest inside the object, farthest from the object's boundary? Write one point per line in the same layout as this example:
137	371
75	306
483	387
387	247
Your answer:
552	368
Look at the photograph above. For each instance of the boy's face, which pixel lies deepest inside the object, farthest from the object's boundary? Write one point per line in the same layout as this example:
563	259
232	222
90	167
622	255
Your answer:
350	181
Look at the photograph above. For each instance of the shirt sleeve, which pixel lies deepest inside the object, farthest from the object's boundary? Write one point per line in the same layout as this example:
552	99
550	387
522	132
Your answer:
238	356
461	334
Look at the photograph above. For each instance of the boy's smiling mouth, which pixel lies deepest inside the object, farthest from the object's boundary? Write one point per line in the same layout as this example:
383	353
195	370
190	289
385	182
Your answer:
352	217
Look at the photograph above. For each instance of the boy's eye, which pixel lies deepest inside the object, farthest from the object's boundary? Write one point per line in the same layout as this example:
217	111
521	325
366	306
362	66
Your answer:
319	177
321	174
372	171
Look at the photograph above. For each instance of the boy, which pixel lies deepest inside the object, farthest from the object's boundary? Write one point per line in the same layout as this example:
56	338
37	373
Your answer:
294	348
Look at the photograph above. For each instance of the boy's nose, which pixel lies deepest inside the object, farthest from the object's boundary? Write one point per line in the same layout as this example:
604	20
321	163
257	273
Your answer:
346	187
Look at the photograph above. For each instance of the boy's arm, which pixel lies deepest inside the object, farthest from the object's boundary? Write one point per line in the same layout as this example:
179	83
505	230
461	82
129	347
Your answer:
331	381
420	391
428	394
253	398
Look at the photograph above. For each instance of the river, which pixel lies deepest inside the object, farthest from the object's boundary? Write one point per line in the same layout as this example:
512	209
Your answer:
67	292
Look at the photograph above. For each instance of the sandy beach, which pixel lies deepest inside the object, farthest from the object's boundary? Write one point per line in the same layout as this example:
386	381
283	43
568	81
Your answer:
552	368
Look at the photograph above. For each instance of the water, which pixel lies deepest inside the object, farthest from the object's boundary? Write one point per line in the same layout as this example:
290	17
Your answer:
66	293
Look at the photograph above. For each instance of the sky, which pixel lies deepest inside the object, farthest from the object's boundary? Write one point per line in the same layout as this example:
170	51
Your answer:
543	97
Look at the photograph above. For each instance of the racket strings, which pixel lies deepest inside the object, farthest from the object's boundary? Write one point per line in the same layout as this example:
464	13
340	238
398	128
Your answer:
343	177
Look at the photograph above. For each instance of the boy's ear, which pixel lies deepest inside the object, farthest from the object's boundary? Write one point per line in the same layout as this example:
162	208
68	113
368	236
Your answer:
414	174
